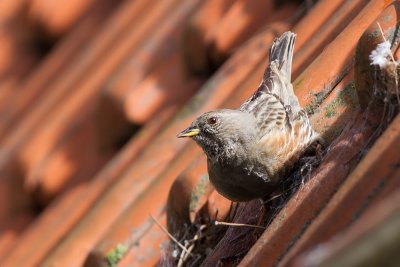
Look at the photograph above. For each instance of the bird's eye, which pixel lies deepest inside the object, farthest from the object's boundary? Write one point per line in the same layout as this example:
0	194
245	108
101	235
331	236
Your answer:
212	120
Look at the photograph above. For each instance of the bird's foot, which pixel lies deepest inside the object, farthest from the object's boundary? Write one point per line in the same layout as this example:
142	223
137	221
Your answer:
319	152
308	164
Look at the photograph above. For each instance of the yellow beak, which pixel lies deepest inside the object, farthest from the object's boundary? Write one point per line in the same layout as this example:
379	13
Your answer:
189	132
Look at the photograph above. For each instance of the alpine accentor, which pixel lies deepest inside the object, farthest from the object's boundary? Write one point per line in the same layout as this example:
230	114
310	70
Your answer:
250	149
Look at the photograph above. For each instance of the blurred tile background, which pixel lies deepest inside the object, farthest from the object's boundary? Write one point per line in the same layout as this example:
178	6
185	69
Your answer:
93	93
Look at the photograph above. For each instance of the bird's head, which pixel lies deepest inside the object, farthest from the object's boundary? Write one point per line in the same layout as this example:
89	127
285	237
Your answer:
222	130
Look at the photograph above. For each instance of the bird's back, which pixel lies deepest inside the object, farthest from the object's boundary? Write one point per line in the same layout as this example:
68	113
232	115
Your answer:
285	130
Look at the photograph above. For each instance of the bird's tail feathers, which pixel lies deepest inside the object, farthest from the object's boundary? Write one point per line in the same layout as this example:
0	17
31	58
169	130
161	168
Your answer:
277	76
281	52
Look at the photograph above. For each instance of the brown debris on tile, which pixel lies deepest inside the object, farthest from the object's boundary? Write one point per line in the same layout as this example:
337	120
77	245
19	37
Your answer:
93	93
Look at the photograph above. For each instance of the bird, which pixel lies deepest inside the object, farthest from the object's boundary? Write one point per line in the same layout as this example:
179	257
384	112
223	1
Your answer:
250	149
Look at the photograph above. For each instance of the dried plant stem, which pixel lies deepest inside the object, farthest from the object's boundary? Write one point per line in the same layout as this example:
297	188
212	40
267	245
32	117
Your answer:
239	225
171	236
383	36
184	255
395	63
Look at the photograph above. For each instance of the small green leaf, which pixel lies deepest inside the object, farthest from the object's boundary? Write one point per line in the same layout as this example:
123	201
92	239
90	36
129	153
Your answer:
116	254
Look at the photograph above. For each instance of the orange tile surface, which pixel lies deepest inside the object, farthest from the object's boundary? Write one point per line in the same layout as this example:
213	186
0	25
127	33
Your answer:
59	17
196	38
378	226
146	168
365	182
33	87
93	93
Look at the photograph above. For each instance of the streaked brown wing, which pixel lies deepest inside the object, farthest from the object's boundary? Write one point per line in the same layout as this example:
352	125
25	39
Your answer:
268	110
274	103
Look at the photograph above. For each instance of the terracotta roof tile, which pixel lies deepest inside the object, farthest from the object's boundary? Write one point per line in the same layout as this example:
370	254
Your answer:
88	127
144	171
357	193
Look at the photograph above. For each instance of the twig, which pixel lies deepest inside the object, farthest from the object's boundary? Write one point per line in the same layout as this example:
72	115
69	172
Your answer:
170	236
383	36
274	197
239	225
184	256
395	63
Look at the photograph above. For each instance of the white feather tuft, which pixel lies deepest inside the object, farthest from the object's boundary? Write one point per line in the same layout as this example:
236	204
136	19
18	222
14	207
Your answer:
379	56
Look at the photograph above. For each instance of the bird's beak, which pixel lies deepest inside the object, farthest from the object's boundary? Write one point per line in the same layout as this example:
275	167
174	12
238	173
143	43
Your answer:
189	132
